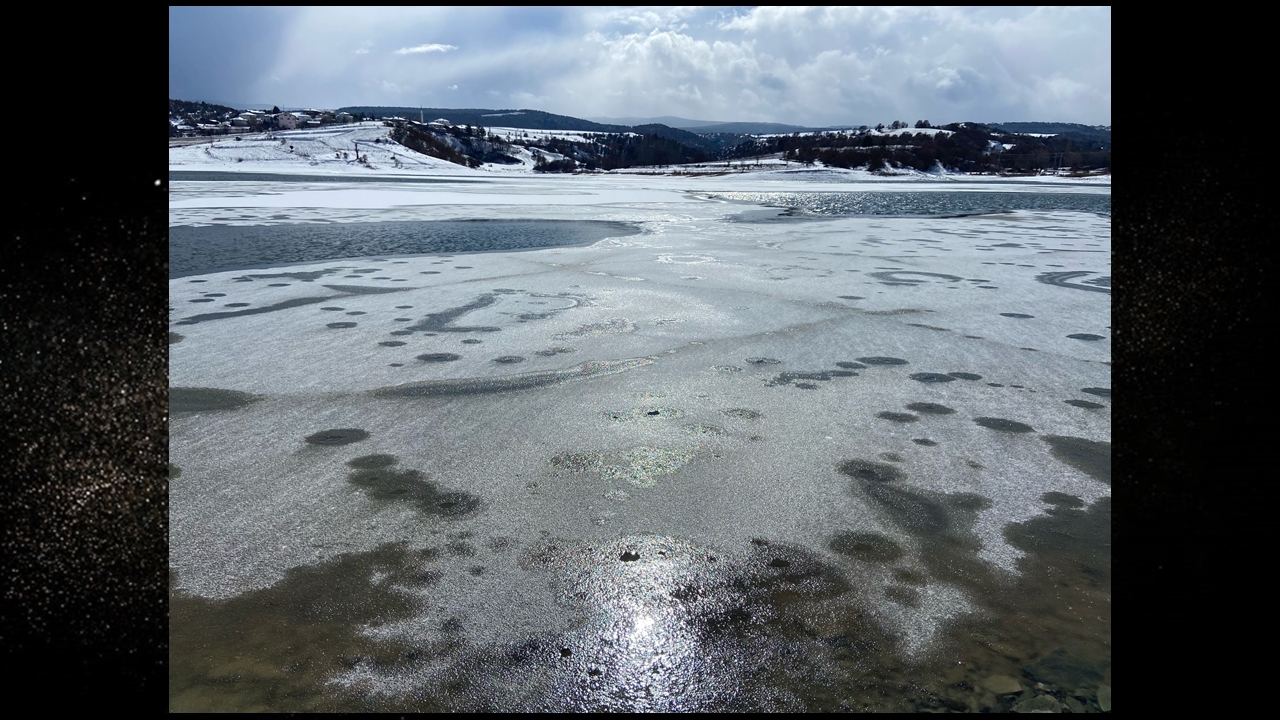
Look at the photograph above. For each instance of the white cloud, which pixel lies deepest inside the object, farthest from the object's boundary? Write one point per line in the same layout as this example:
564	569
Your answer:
428	48
809	66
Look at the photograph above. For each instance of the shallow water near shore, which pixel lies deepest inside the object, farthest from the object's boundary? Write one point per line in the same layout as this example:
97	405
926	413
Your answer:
857	464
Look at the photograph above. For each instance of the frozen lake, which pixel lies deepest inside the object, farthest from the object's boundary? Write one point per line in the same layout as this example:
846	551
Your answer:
705	455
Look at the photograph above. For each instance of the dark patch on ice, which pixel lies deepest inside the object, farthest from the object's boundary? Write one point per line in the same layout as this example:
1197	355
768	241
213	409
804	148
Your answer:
1062	500
1100	392
392	343
907	576
404	307
901	595
175	338
439	357
1060	279
337	436
965	376
788	378
929	327
573	462
1009	426
215	295
910	510
412	486
371	462
867	546
870	470
924	441
851	297
930	408
893	277
850	365
925	377
365	289
763	361
1088	456
443	321
641	413
279	285
727	368
283	305
357	312
628	556
972	502
508	359
743	413
897	416
332	308
1084	404
1086	336
551	352
340	325
471	341
236	305
510	383
458	548
175	472
201	300
879	360
1016	315
705	429
304	276
198	399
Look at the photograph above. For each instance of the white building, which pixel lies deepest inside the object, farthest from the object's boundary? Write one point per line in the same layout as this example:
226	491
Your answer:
287	121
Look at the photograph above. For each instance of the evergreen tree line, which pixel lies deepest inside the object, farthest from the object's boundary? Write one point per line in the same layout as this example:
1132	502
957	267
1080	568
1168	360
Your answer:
968	148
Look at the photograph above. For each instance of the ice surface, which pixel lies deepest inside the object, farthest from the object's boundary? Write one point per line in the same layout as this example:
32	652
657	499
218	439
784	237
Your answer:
698	381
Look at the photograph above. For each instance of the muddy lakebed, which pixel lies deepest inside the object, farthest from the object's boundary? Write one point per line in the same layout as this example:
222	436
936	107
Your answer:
697	463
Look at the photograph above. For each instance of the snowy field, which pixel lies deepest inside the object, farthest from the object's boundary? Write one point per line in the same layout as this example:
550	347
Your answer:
679	469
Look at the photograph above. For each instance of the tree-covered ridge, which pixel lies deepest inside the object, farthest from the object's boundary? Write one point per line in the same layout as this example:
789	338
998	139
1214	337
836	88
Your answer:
525	119
187	107
967	147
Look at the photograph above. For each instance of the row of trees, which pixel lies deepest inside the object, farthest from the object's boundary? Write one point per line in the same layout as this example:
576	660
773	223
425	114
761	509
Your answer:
966	148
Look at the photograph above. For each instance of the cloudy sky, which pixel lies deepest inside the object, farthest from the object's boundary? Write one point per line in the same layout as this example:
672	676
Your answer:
804	66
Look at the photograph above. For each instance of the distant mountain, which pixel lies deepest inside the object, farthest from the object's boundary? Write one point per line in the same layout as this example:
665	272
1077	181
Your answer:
668	120
684	137
525	119
1100	132
749	128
